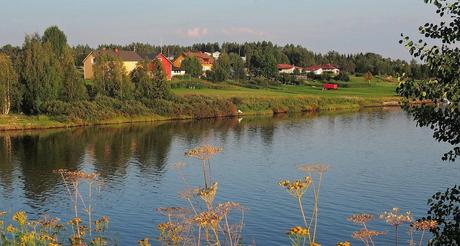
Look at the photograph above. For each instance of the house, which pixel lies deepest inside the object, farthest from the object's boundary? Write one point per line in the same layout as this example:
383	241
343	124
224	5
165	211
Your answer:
320	69
214	55
206	60
166	65
288	69
285	68
129	59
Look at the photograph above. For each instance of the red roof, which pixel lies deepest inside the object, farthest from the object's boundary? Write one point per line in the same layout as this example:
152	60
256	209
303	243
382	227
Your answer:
284	66
202	57
324	66
313	68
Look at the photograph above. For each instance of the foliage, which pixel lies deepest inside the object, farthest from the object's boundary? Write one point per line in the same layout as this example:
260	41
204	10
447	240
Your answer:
56	38
110	78
442	115
192	66
150	85
221	69
73	88
10	92
40	73
445	211
368	77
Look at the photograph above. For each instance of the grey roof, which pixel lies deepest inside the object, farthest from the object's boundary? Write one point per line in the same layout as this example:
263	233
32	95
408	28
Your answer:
124	55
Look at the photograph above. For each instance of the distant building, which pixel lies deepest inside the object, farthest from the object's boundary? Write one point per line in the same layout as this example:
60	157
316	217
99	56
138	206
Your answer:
129	59
205	60
288	69
320	69
166	65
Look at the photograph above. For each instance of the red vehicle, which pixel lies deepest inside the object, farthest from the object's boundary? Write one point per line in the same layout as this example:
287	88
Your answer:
329	86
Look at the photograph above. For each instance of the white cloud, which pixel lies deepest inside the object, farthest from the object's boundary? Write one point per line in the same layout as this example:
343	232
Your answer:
242	31
195	32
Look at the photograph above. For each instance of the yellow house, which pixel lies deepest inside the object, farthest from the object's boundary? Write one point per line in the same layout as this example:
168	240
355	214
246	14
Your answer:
129	59
206	60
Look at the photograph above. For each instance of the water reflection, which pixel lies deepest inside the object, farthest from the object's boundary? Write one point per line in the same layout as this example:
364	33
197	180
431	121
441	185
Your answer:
134	161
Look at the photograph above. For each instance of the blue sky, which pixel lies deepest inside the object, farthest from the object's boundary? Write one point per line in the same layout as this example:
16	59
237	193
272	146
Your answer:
347	26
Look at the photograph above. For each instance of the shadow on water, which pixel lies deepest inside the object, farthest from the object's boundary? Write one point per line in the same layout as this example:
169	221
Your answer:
31	156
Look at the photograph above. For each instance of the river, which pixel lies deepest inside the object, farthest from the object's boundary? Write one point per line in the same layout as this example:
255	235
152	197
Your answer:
378	159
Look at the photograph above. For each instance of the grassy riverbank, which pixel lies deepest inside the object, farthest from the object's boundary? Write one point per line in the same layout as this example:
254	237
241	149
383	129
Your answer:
201	99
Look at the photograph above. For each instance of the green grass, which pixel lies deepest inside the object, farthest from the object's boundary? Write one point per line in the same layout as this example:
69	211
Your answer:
201	99
357	87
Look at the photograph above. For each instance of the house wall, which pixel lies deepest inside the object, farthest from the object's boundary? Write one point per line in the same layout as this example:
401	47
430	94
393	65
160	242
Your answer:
288	71
129	66
88	72
166	66
178	61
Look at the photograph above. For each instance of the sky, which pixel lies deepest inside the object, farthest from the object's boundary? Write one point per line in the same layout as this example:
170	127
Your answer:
346	26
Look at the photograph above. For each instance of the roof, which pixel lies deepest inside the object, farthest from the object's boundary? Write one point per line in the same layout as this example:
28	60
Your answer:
163	57
285	66
201	56
318	67
124	55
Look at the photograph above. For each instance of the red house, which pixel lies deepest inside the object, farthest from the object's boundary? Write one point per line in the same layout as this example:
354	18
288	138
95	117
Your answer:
166	65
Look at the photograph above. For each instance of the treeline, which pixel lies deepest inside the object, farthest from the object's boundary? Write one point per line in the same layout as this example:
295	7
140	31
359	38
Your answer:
262	57
41	77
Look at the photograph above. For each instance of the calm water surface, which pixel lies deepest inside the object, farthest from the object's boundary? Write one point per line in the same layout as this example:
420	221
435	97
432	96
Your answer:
378	160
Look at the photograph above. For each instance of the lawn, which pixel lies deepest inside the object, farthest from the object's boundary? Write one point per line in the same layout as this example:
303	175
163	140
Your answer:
357	87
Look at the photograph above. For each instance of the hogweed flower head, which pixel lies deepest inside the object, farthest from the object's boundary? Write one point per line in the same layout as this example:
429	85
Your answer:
208	194
394	218
313	168
298	231
424	225
176	212
297	187
74	176
360	218
365	234
203	152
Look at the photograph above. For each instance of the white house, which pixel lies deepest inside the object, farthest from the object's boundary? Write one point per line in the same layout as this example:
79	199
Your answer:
285	68
320	69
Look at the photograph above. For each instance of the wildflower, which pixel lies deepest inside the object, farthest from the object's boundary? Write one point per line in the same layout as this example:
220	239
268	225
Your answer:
188	194
204	152
313	168
425	225
208	194
298	187
2	213
365	234
75	221
28	238
10	229
20	217
360	218
176	212
393	217
101	224
298	231
346	243
210	218
144	242
170	233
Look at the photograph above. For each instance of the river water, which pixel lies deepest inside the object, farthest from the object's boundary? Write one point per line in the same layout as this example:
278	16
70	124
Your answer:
378	159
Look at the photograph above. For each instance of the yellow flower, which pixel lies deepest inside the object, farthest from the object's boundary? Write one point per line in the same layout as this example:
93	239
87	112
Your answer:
346	243
20	217
10	229
298	231
28	238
